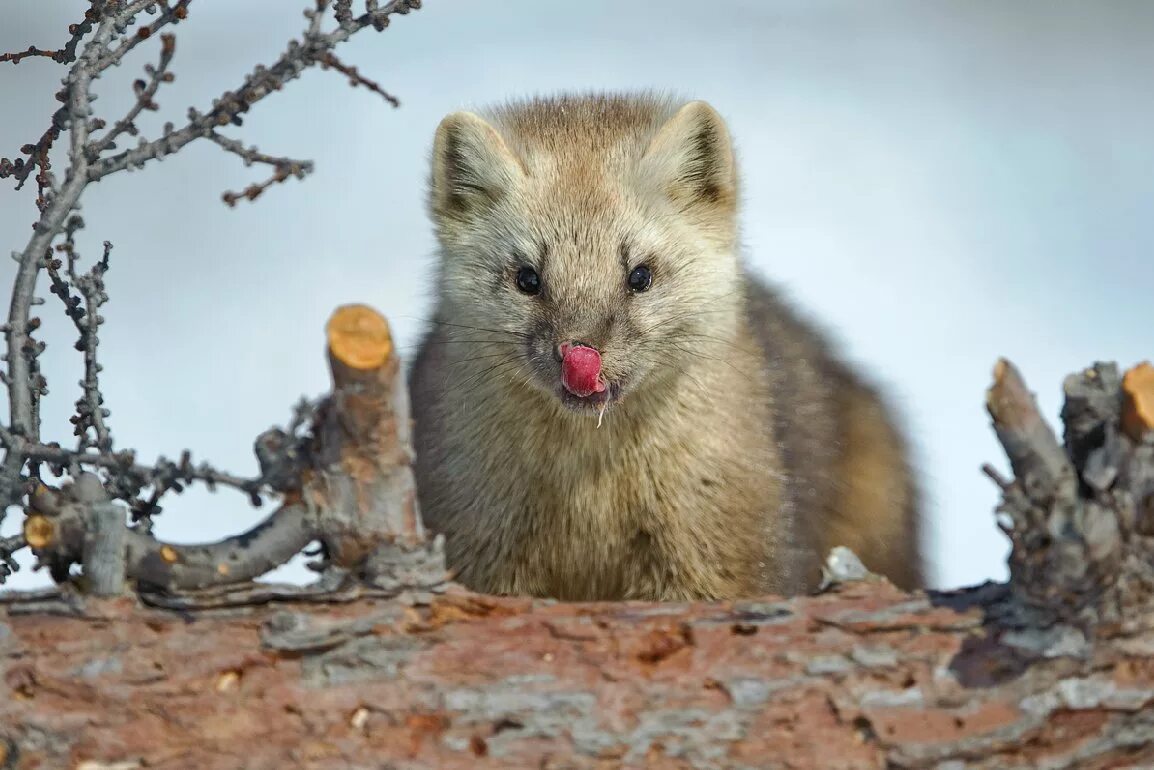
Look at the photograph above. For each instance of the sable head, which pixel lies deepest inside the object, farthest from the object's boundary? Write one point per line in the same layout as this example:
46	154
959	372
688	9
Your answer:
588	242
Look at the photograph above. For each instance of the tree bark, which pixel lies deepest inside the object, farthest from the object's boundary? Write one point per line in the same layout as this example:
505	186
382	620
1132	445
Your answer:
861	677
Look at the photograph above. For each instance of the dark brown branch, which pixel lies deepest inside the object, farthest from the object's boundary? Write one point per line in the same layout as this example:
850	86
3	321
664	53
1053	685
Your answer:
283	168
31	51
356	78
77	32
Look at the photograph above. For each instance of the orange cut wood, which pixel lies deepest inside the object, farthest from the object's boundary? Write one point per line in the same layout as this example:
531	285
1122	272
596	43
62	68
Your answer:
359	337
39	531
1138	401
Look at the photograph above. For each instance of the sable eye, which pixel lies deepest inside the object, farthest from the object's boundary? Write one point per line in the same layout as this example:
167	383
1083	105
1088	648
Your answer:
528	281
640	279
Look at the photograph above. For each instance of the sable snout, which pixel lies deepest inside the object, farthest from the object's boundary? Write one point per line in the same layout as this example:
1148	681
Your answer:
581	369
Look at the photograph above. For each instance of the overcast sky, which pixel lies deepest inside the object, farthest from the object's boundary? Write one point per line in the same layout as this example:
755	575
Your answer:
938	183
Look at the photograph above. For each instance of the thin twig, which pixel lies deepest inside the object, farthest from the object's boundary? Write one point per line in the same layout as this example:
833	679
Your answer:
283	168
90	411
356	78
31	51
230	106
169	15
144	98
165	473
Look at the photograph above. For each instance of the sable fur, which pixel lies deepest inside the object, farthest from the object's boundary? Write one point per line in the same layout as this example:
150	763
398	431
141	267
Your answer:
739	451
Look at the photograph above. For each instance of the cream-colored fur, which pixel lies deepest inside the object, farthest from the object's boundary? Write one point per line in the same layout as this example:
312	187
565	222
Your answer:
734	446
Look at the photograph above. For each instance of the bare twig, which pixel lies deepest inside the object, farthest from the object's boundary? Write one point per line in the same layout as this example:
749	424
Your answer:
343	11
32	50
356	78
262	81
90	412
131	477
60	533
169	15
283	168
145	91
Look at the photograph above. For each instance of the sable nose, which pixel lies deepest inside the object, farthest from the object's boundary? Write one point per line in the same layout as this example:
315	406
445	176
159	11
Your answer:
563	348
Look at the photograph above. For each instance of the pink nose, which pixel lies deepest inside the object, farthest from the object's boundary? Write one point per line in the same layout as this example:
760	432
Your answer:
580	369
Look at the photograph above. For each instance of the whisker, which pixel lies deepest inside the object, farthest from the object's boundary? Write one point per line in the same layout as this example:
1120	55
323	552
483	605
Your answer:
470	382
697	354
418	345
521	335
479	358
665	344
684	373
687	314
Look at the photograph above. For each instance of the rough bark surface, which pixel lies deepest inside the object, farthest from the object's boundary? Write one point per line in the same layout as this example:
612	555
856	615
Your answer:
861	677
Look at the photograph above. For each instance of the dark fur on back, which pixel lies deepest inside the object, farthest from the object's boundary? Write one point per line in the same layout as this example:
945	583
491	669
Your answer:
830	425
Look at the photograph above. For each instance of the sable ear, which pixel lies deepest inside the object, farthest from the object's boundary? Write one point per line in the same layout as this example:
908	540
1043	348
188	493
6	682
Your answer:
472	166
691	159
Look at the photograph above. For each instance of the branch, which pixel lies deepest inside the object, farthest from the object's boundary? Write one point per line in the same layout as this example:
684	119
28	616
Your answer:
90	411
23	388
60	539
352	489
145	91
67	54
107	34
283	167
356	78
32	50
168	16
262	81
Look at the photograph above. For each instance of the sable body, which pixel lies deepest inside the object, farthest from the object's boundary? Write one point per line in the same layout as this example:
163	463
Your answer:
735	449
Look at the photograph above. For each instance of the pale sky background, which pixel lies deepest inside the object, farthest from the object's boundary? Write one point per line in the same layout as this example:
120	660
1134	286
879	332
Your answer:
938	183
